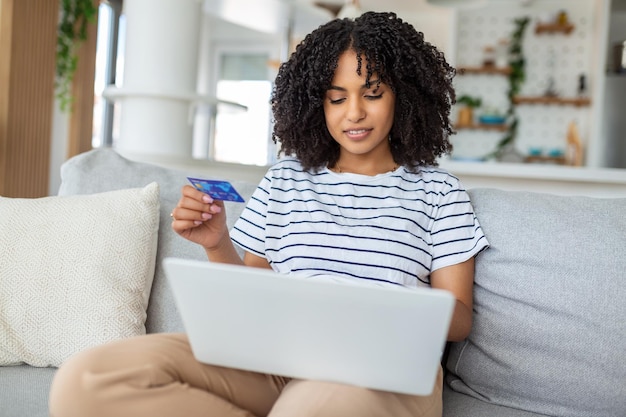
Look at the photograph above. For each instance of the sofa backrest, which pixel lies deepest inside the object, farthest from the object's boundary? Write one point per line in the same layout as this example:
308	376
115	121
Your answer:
104	169
549	333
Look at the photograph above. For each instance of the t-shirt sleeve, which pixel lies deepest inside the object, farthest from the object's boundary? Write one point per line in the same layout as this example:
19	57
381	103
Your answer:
456	233
248	231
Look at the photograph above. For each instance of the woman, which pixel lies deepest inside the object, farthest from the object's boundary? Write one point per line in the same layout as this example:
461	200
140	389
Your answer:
361	113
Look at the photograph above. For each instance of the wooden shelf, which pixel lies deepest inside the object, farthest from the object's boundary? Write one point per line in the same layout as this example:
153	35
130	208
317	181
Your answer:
562	101
565	28
483	126
485	70
538	159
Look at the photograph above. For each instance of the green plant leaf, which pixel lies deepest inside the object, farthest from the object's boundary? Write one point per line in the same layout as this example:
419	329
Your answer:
72	30
469	101
516	79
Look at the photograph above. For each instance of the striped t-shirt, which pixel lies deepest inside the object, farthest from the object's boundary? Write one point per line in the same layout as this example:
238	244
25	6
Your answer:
395	227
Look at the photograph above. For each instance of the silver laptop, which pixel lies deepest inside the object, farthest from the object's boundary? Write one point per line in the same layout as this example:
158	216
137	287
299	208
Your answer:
384	338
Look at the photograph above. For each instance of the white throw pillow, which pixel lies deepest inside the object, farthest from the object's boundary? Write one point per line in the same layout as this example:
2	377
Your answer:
75	272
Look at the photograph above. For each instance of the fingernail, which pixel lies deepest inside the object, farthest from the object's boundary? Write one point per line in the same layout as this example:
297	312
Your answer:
207	199
197	222
206	216
216	209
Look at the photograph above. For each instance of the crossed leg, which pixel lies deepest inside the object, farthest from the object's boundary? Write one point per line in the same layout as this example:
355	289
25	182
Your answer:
157	375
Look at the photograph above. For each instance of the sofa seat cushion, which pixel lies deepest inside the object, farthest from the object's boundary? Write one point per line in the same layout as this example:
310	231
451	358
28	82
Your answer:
24	391
549	329
75	272
105	170
456	404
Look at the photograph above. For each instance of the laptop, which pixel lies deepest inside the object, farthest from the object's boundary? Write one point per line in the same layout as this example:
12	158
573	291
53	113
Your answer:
384	338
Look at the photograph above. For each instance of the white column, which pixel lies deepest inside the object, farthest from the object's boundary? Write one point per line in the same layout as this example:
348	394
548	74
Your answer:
160	73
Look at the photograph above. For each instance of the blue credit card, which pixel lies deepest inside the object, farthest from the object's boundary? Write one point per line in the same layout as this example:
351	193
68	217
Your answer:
218	190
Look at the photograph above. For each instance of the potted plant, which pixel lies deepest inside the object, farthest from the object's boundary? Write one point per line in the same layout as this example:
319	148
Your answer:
466	111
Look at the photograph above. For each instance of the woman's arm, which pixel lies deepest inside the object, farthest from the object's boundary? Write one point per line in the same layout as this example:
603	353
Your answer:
229	255
202	220
459	280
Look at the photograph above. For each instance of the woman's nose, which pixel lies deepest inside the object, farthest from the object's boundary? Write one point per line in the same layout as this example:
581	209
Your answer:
356	112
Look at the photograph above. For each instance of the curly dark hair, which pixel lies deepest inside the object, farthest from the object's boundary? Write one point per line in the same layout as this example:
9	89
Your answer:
397	53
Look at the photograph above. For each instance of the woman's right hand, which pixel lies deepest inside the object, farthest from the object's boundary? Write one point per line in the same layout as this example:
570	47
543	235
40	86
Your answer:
199	218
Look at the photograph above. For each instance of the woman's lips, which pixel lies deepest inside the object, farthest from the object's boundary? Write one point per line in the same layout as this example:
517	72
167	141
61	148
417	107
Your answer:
357	134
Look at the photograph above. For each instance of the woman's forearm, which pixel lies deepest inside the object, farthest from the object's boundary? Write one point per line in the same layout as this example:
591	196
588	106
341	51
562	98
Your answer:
461	323
224	252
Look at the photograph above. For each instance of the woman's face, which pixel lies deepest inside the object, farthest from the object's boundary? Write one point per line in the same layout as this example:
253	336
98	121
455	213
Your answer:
359	118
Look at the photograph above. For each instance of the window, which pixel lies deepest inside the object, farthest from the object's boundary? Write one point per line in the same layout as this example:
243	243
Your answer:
108	71
243	136
231	134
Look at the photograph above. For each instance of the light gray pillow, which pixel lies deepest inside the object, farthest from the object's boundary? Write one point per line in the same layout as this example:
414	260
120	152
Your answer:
103	170
549	332
75	272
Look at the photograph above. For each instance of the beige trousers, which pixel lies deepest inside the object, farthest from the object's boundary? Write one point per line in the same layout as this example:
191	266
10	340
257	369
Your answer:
157	375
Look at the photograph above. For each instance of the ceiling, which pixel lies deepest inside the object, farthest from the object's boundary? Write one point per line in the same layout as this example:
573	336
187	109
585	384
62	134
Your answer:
271	17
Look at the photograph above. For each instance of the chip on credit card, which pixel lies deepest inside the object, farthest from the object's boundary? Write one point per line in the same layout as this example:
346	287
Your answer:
218	190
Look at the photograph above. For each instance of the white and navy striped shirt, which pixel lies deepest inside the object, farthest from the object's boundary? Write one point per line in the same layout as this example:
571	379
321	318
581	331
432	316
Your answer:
395	227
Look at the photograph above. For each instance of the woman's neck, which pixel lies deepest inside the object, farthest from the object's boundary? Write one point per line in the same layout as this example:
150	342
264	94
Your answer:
371	169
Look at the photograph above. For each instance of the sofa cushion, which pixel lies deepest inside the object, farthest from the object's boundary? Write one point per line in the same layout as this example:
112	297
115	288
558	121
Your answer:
75	272
24	391
456	404
104	170
549	330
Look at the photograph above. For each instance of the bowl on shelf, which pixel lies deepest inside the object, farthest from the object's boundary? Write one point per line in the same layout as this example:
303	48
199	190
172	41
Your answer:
491	119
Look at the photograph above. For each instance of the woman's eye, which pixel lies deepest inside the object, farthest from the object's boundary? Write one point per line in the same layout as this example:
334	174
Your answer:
374	97
336	101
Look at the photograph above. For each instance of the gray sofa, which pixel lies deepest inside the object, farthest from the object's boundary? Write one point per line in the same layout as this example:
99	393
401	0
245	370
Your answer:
549	335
